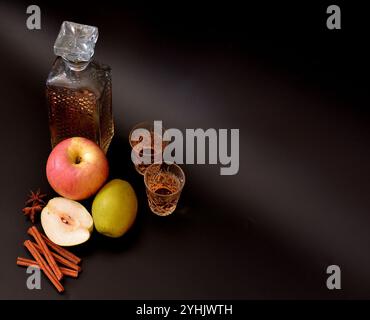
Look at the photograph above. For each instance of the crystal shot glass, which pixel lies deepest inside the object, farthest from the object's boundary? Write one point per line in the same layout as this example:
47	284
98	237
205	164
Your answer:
164	183
149	148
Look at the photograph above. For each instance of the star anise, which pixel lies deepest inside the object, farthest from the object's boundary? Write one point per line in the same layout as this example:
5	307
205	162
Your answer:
31	211
35	203
36	197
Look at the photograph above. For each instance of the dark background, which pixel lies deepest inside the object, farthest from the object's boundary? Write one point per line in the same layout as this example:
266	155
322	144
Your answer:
297	91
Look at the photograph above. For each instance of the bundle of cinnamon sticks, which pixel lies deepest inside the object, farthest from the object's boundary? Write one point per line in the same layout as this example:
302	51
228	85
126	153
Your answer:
47	255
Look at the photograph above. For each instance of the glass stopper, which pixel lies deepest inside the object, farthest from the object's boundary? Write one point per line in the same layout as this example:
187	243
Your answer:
76	42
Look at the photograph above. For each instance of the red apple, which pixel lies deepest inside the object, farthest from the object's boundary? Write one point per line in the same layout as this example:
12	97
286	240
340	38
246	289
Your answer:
77	168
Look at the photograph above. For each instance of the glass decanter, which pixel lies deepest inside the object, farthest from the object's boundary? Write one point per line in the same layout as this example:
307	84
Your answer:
79	90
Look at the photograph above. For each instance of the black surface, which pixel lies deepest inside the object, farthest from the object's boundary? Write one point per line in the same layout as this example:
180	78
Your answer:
299	95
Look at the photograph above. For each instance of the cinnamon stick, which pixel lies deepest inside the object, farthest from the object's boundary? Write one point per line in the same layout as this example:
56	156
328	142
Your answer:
28	262
63	252
43	265
46	252
60	259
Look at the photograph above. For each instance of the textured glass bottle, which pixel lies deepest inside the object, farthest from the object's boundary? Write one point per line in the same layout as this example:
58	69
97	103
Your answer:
79	90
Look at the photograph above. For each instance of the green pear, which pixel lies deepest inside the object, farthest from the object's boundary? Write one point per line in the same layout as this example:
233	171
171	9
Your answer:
114	208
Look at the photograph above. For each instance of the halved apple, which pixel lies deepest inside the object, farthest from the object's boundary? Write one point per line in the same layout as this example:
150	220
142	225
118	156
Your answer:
66	222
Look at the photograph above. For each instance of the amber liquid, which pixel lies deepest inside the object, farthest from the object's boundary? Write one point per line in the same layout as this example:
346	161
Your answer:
141	167
163	193
79	113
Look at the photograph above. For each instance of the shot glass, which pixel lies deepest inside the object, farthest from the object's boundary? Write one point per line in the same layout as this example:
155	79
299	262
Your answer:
138	147
164	183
